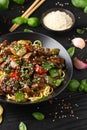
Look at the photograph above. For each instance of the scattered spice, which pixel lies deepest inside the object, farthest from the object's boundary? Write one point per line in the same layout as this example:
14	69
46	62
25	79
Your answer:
61	4
62	108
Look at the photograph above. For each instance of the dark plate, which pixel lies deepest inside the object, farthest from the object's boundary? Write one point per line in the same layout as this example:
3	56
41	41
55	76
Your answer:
49	43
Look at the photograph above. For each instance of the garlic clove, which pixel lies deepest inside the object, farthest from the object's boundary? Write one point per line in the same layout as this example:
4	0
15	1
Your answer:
78	42
79	64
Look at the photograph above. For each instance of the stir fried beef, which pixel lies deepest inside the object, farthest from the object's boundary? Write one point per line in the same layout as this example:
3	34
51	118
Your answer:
24	66
8	85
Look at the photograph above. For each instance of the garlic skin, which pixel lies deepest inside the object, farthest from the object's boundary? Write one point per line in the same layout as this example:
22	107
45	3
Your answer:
79	64
78	42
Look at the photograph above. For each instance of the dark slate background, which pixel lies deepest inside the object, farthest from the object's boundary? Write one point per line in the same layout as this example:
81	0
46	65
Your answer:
68	111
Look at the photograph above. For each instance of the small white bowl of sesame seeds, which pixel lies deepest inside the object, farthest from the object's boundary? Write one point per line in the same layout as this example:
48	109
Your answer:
58	20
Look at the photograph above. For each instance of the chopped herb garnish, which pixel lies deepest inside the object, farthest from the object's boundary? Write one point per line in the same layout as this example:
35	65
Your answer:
8	70
4	58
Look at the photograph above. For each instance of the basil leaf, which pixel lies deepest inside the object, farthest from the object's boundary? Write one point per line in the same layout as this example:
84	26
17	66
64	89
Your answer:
85	9
19	1
73	85
80	31
27	30
22	126
38	115
79	3
19	20
33	22
4	4
71	51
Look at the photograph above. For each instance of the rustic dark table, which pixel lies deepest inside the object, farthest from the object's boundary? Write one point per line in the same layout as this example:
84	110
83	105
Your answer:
68	111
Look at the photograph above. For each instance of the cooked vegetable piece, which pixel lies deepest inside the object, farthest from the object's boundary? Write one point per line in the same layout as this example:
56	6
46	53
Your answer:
14	75
57	82
19	96
53	73
48	66
40	69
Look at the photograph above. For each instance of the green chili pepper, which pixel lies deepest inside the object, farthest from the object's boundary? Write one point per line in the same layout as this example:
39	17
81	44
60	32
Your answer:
19	20
71	51
57	82
54	82
19	1
38	115
48	66
22	126
19	96
53	73
4	4
79	3
49	80
33	22
73	85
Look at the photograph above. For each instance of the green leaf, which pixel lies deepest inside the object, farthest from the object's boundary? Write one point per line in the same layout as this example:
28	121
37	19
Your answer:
80	31
19	1
71	51
38	115
22	126
19	20
27	30
79	3
33	21
4	4
73	85
85	9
